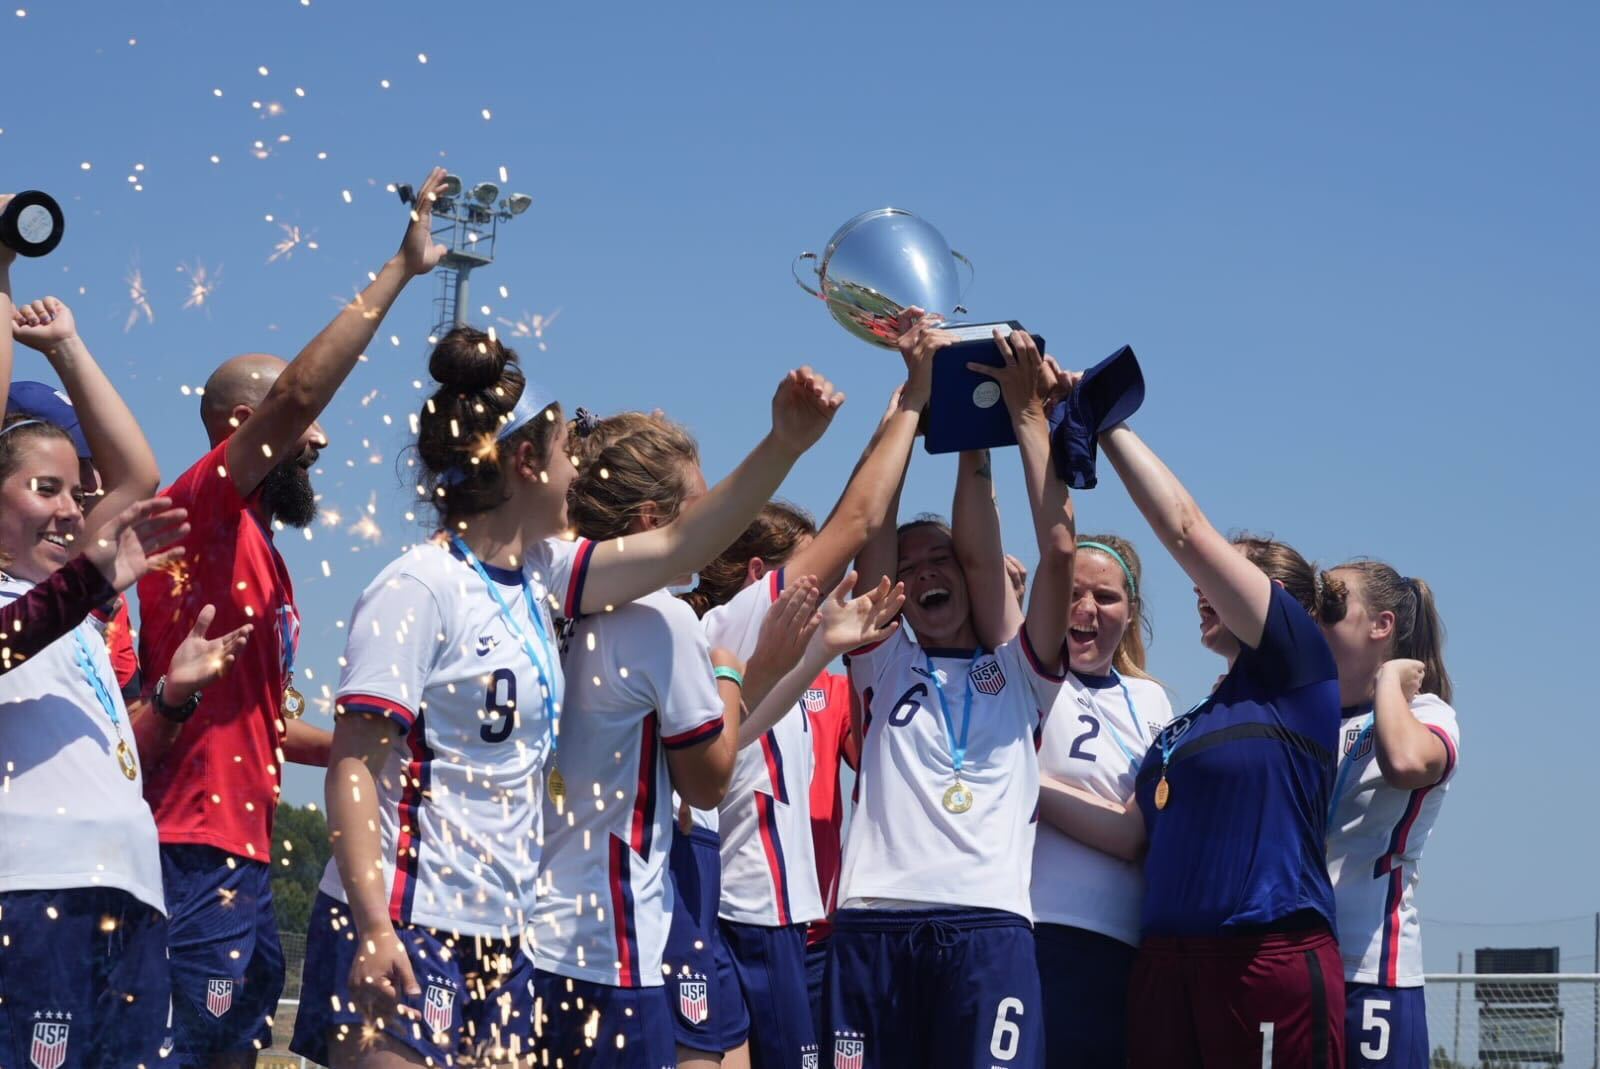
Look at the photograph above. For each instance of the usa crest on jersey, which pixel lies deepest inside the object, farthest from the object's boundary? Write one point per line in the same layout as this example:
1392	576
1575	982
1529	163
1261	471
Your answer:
849	1050
808	1056
988	677
438	1008
815	699
49	1047
1352	736
219	995
693	1002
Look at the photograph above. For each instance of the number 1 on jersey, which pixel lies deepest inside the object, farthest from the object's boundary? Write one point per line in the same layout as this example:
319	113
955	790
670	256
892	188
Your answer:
1267	1028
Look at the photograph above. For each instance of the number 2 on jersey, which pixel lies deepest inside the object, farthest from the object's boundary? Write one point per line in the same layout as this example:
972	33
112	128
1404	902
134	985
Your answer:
1092	733
501	705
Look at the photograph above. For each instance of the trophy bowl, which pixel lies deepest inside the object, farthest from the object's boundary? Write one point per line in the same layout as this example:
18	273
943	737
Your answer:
879	264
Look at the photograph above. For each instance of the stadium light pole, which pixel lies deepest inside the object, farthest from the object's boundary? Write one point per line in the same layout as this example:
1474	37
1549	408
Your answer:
466	223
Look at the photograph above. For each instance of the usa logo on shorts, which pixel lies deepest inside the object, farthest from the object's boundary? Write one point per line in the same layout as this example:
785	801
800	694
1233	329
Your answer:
808	1056
988	678
815	699
219	995
1351	737
438	1008
692	1001
848	1050
49	1047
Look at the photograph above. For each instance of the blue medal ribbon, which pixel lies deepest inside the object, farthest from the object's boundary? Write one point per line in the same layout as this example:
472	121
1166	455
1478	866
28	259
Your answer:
541	660
958	748
91	674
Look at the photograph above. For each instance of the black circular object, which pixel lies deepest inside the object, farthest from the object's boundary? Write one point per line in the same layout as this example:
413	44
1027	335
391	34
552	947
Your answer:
32	223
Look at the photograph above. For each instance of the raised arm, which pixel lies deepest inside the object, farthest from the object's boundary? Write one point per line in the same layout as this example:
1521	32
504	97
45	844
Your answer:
624	569
975	527
1410	756
868	501
7	308
701	772
122	456
306	386
1236	589
1026	383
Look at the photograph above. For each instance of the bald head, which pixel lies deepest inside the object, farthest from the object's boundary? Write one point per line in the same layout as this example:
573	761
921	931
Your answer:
243	380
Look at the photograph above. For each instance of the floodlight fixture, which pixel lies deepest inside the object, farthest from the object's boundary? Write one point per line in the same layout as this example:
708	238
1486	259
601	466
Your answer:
518	203
406	194
485	193
449	187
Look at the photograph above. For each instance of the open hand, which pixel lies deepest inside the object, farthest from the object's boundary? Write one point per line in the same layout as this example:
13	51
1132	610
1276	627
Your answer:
1025	382
381	977
850	623
786	630
420	251
142	538
200	661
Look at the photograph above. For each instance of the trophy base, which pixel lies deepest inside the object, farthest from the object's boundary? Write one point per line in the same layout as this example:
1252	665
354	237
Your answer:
966	410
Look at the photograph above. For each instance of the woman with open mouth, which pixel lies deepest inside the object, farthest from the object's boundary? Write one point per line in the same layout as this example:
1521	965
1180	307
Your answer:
931	961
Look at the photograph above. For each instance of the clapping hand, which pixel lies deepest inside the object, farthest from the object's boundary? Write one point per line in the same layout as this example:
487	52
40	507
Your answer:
851	623
142	538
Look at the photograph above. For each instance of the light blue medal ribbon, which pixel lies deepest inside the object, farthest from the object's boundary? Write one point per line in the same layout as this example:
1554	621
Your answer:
1136	757
293	704
1346	761
540	657
1168	741
958	799
102	693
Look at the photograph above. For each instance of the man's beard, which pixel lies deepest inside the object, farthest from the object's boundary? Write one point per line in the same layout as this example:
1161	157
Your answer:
287	494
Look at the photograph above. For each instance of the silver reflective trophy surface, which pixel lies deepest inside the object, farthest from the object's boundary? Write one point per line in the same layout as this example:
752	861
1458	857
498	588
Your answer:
879	264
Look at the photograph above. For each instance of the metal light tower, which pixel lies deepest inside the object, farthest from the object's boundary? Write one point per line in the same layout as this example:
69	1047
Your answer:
466	224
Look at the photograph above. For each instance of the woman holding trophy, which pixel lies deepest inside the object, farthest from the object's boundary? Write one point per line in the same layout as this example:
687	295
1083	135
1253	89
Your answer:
931	961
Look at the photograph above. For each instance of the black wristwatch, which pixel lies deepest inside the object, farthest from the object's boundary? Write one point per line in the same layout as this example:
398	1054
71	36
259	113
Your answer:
175	713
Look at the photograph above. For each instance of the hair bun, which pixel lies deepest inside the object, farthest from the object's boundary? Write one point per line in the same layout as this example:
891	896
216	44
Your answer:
469	359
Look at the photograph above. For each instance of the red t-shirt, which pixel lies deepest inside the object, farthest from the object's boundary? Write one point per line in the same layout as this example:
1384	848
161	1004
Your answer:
219	784
827	705
118	630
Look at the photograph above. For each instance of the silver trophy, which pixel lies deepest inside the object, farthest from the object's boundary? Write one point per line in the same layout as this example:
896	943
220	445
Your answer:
879	264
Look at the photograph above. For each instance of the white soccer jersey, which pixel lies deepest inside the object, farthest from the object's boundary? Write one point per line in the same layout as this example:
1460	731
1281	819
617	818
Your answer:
1095	739
641	685
903	845
769	871
69	816
1375	839
459	796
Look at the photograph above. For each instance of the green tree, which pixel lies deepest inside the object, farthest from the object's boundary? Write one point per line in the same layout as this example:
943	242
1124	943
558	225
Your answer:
300	852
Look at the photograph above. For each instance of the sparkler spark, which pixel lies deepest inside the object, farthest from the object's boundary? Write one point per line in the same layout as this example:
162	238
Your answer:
531	325
292	239
140	298
201	285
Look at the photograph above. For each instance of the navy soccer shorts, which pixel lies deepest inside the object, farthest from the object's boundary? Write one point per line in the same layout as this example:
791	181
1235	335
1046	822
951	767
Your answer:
771	966
708	1012
84	982
1083	977
580	1024
474	991
227	963
932	989
1385	1027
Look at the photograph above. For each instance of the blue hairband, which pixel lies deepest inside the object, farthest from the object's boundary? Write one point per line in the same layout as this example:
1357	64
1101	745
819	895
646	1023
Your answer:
533	401
8	428
1133	584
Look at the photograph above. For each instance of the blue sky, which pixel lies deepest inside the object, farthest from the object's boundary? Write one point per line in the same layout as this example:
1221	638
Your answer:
1354	248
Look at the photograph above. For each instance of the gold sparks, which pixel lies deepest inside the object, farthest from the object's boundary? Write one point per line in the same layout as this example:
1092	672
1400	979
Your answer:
366	527
140	298
292	239
531	325
201	284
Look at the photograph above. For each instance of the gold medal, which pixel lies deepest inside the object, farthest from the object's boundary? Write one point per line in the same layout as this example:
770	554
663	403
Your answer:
958	799
1163	792
125	758
556	784
294	703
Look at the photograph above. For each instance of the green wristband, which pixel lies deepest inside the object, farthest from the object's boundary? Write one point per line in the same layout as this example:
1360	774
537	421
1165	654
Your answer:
732	675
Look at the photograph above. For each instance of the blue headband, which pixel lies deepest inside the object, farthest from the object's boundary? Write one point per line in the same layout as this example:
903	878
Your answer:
533	401
1133	584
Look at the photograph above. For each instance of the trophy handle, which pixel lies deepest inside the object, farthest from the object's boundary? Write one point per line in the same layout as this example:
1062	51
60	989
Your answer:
972	273
794	268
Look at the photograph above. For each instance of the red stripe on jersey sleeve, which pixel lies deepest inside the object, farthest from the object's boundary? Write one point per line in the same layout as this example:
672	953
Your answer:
709	730
580	574
1033	659
375	705
1449	751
